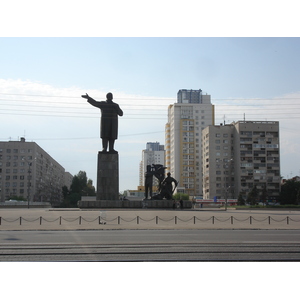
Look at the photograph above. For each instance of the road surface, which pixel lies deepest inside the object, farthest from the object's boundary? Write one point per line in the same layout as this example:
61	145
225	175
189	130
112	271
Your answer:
150	245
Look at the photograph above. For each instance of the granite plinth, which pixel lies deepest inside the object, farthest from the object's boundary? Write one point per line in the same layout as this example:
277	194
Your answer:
108	176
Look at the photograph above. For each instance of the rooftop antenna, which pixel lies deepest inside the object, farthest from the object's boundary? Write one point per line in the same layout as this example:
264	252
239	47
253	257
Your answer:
224	119
244	117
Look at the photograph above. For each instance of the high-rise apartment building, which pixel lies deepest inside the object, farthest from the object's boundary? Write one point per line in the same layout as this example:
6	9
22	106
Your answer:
186	120
27	171
238	156
189	96
153	154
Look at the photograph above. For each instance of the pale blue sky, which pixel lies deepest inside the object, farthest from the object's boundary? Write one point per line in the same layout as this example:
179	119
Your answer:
224	67
255	76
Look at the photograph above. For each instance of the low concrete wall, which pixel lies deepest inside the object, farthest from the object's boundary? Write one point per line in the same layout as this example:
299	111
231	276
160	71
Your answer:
132	204
24	204
165	204
109	204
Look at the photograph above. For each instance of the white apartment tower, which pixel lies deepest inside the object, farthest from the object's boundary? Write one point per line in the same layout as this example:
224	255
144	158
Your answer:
239	156
186	120
153	154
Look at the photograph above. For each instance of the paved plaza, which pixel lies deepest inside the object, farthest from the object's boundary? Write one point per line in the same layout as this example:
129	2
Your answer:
76	219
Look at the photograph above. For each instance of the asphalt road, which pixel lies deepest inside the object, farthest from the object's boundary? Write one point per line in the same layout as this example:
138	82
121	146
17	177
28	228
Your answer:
150	245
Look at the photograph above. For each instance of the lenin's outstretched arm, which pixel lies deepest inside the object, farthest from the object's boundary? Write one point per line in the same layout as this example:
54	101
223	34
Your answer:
90	100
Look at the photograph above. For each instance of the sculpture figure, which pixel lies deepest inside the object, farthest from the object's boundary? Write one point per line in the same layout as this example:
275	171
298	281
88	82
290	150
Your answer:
159	173
165	185
109	120
167	189
148	181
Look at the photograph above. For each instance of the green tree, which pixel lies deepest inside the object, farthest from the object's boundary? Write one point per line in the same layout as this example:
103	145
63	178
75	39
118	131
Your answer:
79	183
65	191
252	197
80	186
240	200
290	192
89	190
264	194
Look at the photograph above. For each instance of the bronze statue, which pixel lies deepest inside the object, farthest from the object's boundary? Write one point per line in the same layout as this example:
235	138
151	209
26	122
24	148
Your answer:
109	120
165	184
167	187
148	181
159	173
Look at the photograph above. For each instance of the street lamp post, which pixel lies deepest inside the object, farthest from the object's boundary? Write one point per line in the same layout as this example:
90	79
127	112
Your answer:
230	176
29	180
226	196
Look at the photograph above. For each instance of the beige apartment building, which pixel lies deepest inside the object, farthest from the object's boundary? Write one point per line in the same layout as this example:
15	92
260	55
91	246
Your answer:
183	132
239	156
28	171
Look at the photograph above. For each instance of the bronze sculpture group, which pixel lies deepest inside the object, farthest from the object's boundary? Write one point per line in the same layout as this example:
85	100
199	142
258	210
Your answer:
165	184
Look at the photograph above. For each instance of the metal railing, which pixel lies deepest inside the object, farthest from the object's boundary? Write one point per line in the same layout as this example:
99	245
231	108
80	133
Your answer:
138	220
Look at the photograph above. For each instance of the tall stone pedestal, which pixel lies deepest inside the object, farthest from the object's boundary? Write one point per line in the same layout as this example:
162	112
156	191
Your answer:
108	176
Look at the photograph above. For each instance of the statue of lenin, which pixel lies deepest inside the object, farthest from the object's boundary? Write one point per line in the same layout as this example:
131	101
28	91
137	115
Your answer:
109	120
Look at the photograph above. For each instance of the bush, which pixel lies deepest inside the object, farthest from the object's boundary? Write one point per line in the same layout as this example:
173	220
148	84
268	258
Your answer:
181	196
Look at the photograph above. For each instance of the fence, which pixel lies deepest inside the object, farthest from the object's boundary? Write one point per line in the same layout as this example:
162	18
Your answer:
137	220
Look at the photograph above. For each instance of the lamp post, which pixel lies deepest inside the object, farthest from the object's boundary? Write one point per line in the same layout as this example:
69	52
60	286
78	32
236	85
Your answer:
226	196
230	176
29	180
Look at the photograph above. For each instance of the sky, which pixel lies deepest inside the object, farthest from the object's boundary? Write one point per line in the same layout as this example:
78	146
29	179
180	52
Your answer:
46	67
42	80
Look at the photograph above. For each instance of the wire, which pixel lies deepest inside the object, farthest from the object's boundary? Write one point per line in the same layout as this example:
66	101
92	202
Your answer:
79	97
157	98
59	109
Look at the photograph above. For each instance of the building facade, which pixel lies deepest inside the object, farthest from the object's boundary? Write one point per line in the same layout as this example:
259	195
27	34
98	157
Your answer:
239	156
27	171
186	120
